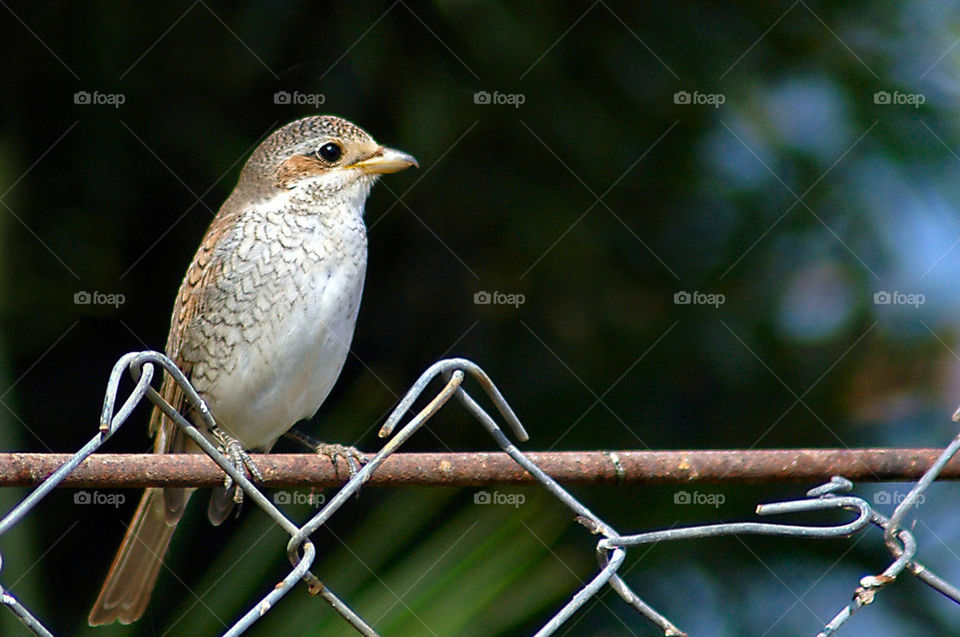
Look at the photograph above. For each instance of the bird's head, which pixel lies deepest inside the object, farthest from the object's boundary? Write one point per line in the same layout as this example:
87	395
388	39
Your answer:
323	153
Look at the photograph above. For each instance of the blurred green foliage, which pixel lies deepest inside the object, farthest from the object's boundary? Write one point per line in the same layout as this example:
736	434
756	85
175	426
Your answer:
619	182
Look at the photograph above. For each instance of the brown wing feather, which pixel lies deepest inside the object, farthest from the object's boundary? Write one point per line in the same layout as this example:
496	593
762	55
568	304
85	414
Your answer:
168	437
189	305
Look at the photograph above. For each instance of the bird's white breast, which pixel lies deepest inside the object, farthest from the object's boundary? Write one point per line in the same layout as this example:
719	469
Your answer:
284	322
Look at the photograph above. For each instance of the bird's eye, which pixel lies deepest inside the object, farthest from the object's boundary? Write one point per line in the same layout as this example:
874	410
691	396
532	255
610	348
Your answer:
330	152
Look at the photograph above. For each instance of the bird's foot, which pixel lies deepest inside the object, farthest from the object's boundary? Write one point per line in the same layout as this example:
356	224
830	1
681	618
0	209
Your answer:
351	455
239	458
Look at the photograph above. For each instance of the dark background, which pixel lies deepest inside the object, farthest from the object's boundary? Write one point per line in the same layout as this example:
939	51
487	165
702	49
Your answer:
599	198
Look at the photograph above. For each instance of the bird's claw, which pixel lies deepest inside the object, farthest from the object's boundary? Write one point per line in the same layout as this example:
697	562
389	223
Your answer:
239	458
352	455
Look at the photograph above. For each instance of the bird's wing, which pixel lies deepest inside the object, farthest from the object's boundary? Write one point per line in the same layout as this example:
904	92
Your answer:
189	306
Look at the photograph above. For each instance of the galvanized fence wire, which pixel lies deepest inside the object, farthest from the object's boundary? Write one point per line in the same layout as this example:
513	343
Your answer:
611	548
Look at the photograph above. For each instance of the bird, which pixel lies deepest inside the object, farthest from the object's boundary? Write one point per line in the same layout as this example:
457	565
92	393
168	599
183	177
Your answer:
262	323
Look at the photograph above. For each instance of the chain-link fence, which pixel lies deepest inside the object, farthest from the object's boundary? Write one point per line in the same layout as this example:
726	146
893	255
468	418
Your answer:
611	549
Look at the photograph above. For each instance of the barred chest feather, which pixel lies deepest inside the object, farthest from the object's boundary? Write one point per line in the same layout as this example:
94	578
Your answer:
277	323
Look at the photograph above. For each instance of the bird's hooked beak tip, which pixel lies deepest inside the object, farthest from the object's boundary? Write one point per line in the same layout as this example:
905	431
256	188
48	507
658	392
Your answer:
386	161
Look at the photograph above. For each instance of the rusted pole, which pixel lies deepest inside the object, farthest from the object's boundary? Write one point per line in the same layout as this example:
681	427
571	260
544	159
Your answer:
475	469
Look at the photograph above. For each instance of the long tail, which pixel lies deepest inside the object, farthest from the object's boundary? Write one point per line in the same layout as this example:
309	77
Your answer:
134	571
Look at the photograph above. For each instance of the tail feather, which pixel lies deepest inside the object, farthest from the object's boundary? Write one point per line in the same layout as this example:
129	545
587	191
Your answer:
133	574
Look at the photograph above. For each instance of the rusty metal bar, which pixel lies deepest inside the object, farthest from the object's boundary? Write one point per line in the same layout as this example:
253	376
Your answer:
477	469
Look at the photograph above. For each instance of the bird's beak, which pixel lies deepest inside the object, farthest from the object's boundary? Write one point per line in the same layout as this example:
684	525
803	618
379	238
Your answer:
385	161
